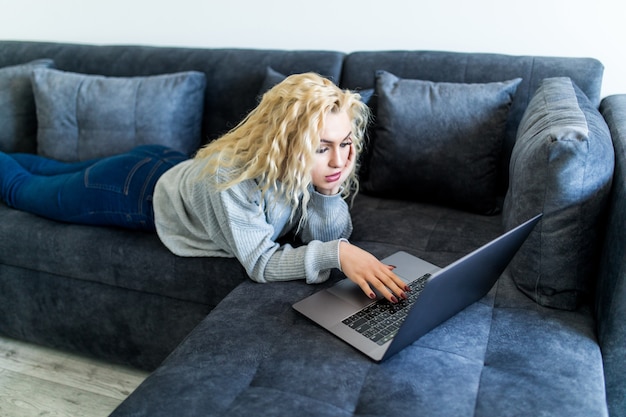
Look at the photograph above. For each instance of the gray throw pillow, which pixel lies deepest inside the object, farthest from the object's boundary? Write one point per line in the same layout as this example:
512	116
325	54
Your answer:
91	116
18	117
561	165
273	77
438	142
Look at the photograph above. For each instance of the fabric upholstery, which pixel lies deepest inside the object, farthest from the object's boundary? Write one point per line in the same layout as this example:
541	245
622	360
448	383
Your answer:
121	261
233	76
71	250
84	117
611	284
92	294
18	116
359	72
439	142
253	353
272	361
502	350
561	166
273	77
137	328
436	233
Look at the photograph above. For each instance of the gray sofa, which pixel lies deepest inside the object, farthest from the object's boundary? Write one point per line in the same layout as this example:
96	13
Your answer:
547	340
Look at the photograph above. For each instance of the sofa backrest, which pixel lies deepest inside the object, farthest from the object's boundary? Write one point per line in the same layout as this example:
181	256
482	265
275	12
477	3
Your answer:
611	284
359	73
234	76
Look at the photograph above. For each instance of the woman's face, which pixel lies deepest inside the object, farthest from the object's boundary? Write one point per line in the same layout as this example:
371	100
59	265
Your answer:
334	159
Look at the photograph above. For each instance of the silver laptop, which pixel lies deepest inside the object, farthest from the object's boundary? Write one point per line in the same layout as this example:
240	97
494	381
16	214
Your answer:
380	329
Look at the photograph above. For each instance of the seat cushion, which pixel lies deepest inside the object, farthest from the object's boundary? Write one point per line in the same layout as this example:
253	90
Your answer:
114	293
255	355
114	257
438	234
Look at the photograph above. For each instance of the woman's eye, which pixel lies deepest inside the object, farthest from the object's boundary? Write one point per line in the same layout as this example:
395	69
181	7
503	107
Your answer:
345	144
321	150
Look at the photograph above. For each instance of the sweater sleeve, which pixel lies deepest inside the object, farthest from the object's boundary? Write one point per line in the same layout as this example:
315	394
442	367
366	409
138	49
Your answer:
249	236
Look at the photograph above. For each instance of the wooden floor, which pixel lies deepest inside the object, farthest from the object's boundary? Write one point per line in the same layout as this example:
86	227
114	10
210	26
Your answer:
37	381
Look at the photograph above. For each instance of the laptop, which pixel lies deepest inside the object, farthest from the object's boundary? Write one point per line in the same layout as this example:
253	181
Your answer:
436	295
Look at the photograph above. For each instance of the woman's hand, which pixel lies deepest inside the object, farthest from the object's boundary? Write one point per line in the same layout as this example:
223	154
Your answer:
366	271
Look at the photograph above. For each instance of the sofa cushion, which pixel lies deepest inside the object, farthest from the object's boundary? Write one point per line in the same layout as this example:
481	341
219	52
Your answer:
254	355
438	234
115	293
439	142
561	165
90	116
18	117
611	286
264	358
234	75
273	77
470	67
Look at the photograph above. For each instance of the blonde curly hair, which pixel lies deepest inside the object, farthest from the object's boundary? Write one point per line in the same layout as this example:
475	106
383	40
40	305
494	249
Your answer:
276	142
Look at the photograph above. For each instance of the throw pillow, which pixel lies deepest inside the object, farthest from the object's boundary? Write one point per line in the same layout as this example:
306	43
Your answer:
91	116
438	142
273	77
18	117
561	165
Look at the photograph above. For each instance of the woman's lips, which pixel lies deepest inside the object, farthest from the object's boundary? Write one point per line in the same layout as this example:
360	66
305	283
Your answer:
334	177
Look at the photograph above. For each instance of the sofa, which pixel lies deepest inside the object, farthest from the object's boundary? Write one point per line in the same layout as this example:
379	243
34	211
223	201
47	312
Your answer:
462	147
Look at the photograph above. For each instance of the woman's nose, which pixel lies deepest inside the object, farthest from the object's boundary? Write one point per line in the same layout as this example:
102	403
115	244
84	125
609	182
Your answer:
336	159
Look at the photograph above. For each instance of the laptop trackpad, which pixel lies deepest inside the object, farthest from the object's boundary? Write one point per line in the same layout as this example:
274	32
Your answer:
350	292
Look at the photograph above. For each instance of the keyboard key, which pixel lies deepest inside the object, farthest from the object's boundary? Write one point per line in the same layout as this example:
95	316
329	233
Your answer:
381	320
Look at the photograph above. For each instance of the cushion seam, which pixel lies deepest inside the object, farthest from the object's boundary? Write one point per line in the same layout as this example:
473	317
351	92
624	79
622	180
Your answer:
357	403
482	370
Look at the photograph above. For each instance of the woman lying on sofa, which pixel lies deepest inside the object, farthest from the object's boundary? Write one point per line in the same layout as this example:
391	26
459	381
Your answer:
287	167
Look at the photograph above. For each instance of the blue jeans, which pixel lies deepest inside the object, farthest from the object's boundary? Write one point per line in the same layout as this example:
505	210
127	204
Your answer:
112	191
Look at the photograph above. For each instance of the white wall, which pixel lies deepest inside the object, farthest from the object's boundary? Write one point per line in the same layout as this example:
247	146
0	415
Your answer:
533	27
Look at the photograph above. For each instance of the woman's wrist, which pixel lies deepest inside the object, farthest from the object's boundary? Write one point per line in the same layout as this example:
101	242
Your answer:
342	242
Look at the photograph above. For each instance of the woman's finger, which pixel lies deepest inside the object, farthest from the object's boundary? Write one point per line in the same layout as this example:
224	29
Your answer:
390	286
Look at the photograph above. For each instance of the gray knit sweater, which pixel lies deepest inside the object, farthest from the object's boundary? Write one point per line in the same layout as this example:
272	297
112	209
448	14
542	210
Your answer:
192	218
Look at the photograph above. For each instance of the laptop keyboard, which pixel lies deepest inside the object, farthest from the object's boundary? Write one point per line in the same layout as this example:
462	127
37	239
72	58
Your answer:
381	320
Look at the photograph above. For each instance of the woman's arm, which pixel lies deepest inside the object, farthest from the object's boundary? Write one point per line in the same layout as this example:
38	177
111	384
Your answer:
247	234
329	218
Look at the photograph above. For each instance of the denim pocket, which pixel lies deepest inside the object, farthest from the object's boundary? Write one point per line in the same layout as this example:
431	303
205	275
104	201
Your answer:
114	174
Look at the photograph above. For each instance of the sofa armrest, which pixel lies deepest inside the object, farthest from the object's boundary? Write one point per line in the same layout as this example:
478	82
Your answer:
611	289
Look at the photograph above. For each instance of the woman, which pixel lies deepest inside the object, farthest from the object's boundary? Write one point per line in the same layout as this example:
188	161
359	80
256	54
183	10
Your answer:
285	169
